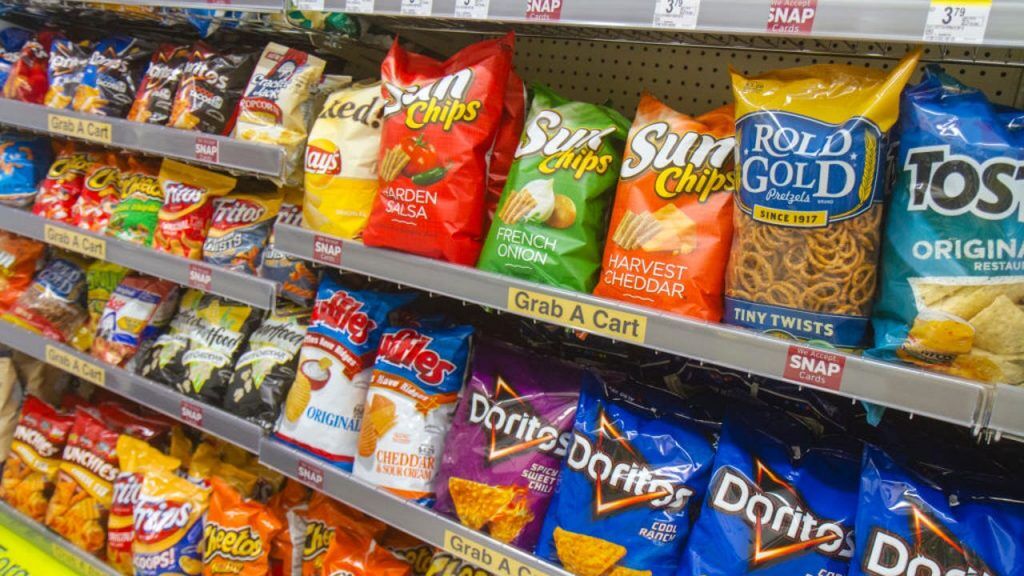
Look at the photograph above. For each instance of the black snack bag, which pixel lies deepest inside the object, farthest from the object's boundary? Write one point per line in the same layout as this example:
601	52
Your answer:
211	85
265	370
156	93
111	77
68	60
296	278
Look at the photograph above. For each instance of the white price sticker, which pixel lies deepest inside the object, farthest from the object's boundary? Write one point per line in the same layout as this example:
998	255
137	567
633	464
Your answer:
476	9
311	5
417	7
957	21
360	6
679	14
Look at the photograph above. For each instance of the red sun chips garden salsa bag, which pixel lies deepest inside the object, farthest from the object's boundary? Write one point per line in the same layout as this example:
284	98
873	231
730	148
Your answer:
439	123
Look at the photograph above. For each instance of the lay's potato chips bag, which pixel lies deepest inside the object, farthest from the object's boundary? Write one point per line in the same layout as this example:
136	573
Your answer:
671	224
238	534
169	526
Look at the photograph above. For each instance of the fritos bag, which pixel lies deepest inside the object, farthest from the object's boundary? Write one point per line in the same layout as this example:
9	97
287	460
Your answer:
952	297
134	217
135	458
239	229
671	223
439	123
341	161
153	102
809	201
31	467
85	484
19	259
64	182
110	78
185	216
65	68
100	193
355	554
210	87
237	535
169	526
271	109
295	276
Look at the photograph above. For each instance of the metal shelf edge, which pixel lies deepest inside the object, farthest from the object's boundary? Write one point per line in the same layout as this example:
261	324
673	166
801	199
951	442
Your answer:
928	394
45	540
224	425
229	284
417	520
242	5
1008	411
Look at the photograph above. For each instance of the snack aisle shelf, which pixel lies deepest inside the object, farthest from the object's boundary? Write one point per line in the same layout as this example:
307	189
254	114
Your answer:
242	5
928	394
222	424
1008	412
159	141
58	548
418	521
888	20
237	286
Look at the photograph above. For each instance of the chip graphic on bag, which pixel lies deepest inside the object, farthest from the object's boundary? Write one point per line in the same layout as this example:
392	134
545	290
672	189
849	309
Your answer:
31	467
19	259
211	84
515	415
66	66
111	77
185	216
324	409
324	519
169	526
101	191
599	521
24	161
64	182
239	229
153	102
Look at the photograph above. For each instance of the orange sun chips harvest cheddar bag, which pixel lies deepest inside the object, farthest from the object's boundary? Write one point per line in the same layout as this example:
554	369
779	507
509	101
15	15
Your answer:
238	534
135	457
671	224
32	463
440	120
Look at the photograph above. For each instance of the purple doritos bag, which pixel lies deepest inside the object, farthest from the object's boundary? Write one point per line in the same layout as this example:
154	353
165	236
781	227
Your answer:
511	430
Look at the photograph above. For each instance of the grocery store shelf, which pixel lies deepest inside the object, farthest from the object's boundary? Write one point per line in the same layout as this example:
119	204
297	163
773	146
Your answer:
217	151
240	5
209	419
417	520
924	393
887	20
237	286
1007	418
46	541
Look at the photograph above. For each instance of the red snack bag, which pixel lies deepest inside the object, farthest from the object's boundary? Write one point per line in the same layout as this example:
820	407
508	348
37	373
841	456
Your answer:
513	116
31	465
64	182
152	429
99	194
28	80
188	208
439	123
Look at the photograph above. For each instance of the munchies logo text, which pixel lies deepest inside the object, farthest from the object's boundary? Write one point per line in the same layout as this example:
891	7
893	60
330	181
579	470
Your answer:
442	102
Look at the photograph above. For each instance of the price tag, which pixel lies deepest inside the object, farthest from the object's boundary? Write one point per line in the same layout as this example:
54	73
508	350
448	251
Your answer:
327	250
587	317
815	367
476	9
792	16
83	128
200	277
679	14
75	366
310	474
75	241
191	413
543	9
359	6
957	21
482	555
208	149
417	7
313	5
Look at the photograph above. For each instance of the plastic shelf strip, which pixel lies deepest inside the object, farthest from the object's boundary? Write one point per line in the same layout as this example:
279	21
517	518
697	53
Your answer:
1008	411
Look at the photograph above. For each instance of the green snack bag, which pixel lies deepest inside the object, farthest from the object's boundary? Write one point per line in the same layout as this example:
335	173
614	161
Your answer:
550	222
134	217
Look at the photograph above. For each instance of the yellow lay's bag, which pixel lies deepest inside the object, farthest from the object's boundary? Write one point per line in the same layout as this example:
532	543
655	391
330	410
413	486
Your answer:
169	526
341	161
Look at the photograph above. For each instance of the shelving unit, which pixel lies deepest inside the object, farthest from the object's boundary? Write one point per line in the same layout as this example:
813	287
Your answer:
243	5
61	550
236	286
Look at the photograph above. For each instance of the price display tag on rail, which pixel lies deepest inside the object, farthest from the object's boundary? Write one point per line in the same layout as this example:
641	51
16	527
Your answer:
609	322
485	556
75	366
792	16
814	367
191	413
678	14
543	9
200	277
359	6
312	5
327	250
75	241
476	9
208	149
957	21
83	128
417	7
310	474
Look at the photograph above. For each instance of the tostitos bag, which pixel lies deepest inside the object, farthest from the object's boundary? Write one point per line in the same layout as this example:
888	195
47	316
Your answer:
952	297
811	149
671	223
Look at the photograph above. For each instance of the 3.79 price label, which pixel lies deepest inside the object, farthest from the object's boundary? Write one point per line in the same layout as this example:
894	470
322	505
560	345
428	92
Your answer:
957	21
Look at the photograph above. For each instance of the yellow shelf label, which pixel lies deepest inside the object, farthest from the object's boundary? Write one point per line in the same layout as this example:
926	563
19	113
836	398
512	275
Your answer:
22	558
75	241
75	366
597	319
482	555
794	218
84	128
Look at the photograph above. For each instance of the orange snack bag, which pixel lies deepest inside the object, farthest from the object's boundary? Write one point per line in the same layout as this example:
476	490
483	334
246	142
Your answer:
324	519
415	552
356	554
32	463
19	258
238	533
292	495
671	225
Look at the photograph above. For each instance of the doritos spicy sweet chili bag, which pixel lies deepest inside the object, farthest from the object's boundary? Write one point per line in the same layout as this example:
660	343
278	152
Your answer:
671	225
909	524
440	120
325	406
952	297
169	525
31	467
603	517
511	431
811	151
551	218
183	220
779	502
415	385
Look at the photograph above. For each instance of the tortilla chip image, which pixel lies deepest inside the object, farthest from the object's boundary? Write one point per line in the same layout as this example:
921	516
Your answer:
586	555
928	294
971	300
475	503
999	327
1012	367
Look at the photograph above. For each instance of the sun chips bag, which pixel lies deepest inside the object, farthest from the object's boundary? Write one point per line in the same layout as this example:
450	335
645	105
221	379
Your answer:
550	222
325	405
169	525
440	120
671	224
603	518
32	464
811	151
952	296
183	220
237	534
511	432
341	161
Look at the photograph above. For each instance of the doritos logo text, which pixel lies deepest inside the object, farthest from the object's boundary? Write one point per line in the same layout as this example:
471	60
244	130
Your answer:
342	311
691	163
576	151
514	424
238	544
441	102
407	348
